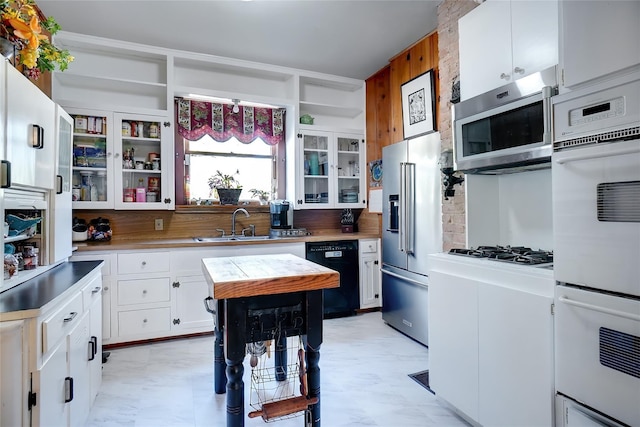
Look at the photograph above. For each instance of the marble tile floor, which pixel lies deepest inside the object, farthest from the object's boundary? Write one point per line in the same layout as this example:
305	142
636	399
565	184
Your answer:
364	382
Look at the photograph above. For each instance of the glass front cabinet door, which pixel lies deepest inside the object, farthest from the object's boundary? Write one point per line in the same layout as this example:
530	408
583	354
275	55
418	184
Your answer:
144	165
93	156
332	172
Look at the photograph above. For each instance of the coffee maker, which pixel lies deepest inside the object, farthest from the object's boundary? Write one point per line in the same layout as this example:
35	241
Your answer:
281	214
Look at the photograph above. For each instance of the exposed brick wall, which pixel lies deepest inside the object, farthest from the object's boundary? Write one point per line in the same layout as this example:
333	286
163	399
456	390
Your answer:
453	210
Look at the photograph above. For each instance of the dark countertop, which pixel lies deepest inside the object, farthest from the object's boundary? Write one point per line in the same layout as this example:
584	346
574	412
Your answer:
30	297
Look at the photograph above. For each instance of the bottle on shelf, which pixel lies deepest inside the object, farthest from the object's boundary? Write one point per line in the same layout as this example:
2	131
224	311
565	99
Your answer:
101	184
141	191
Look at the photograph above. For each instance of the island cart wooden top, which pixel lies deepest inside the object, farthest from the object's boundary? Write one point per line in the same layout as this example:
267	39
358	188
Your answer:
253	275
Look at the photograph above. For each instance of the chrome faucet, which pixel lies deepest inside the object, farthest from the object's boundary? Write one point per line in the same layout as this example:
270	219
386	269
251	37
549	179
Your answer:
233	219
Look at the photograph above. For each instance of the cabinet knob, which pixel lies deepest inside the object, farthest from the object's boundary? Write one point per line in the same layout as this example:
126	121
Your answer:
144	292
144	263
505	76
144	320
518	70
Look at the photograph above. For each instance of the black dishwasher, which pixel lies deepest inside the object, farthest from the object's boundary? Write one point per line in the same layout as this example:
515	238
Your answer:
341	256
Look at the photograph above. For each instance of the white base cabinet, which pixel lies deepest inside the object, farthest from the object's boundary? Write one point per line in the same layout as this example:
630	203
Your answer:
491	340
160	293
370	276
51	365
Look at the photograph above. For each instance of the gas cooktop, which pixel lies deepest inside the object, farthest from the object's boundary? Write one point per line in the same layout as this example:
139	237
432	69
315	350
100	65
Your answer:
513	254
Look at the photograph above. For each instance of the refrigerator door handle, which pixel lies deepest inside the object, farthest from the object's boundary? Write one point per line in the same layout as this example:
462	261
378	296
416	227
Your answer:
402	209
410	209
390	273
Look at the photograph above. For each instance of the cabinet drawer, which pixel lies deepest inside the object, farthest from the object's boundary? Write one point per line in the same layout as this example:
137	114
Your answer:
144	291
61	322
144	322
368	246
143	262
91	293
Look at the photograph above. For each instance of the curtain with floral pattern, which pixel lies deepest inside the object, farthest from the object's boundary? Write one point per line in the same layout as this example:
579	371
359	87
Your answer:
198	118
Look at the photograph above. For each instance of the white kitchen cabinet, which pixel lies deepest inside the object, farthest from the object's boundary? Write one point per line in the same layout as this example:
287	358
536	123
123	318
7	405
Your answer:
93	159
30	132
60	209
502	41
597	38
157	294
107	273
66	383
13	368
144	175
515	357
453	341
370	280
491	340
330	170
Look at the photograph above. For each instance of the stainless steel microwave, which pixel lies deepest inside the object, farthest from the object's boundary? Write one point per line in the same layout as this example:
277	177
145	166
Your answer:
507	129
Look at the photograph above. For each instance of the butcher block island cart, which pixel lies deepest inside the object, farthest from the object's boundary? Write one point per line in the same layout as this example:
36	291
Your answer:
259	298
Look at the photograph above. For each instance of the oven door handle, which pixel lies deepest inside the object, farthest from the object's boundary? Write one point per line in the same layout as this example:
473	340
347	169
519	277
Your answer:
598	308
599	155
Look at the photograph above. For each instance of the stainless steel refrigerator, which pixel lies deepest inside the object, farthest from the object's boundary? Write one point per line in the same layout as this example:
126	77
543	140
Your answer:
411	229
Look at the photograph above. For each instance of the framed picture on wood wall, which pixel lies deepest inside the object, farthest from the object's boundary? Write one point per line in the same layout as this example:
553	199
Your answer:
418	104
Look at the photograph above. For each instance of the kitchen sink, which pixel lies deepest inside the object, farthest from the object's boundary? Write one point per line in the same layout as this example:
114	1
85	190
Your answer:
230	239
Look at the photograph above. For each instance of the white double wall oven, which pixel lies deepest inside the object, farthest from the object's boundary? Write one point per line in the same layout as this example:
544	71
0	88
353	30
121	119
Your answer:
596	216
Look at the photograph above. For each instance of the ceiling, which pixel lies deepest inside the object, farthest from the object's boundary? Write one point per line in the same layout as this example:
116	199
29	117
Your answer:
349	38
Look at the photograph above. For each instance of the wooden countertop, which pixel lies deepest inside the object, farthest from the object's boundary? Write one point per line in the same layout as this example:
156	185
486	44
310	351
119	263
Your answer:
253	275
146	244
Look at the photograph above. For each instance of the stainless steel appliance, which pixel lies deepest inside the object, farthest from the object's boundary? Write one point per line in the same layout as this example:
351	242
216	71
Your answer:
596	214
507	129
341	256
412	229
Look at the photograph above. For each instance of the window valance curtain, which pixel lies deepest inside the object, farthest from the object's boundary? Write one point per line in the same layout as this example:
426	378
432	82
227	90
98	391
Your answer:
198	118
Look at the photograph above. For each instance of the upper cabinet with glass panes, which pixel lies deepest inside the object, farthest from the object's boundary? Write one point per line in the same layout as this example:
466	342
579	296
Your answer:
144	165
330	171
92	177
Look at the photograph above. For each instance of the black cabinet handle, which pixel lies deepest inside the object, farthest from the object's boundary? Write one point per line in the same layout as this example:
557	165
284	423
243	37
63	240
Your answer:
93	347
37	137
5	179
68	389
58	184
207	305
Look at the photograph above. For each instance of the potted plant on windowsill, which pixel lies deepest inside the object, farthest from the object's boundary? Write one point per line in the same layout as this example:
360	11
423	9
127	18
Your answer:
262	195
227	187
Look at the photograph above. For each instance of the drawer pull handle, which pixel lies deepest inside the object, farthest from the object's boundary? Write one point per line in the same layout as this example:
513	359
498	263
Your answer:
96	290
70	317
144	263
144	292
144	321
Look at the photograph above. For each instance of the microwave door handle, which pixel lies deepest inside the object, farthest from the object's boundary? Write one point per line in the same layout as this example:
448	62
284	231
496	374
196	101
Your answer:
580	304
613	151
410	207
547	115
402	207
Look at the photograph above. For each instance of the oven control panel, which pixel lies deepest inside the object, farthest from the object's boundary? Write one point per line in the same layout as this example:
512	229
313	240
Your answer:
600	111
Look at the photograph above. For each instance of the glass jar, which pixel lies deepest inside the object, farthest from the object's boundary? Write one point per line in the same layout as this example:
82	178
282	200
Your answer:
85	187
101	184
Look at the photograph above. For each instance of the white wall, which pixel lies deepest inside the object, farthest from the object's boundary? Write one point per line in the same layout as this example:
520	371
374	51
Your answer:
513	209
